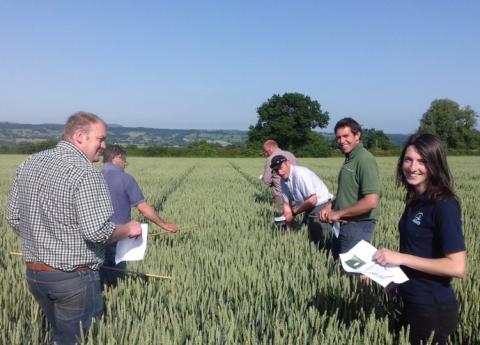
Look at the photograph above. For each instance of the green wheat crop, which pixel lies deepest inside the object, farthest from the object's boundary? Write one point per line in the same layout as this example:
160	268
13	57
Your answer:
237	279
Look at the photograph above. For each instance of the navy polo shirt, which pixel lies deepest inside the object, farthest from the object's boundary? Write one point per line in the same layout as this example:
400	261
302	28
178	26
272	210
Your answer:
124	192
430	229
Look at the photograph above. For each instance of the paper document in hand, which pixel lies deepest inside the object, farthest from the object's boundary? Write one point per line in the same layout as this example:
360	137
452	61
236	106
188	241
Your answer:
336	229
132	249
359	260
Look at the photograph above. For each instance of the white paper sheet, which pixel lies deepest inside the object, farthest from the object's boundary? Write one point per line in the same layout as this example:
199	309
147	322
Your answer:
359	260
132	249
336	229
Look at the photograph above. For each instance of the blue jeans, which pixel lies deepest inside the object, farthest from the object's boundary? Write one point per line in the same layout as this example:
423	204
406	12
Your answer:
350	234
67	299
110	277
317	230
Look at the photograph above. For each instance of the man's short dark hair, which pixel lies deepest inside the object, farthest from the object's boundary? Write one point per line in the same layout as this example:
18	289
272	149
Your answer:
113	151
349	122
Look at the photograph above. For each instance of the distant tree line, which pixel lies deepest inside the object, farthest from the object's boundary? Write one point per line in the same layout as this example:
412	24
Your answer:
28	147
290	119
195	149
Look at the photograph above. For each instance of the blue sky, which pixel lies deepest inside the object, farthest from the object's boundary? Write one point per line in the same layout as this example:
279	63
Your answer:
211	64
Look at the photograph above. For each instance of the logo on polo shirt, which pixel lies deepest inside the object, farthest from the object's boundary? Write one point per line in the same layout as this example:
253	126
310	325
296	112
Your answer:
349	167
418	218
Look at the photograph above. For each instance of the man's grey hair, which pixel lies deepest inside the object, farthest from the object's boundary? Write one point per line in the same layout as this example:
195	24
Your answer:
270	143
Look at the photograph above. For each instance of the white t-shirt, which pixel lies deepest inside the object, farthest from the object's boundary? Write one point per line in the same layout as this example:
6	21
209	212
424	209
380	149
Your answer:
302	184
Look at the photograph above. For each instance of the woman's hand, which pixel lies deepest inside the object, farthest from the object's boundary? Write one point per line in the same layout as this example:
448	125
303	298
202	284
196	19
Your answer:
387	257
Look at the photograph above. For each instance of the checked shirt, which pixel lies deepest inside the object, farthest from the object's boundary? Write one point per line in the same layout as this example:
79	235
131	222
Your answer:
60	206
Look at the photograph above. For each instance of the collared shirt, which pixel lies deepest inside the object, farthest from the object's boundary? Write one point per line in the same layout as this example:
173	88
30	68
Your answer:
124	192
302	184
273	179
60	206
357	178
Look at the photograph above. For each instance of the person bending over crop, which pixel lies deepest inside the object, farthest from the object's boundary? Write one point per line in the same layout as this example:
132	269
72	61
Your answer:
269	177
60	206
125	194
303	192
432	248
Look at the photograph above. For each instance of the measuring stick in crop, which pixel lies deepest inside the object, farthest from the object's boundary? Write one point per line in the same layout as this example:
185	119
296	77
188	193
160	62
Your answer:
149	275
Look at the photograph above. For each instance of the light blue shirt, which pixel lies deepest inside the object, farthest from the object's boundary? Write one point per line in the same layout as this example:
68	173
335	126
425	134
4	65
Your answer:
302	184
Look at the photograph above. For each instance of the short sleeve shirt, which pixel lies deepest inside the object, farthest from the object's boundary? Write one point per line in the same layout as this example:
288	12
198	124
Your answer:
124	192
357	178
303	183
430	229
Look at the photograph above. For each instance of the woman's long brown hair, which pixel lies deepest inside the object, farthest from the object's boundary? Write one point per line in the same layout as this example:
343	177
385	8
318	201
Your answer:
432	150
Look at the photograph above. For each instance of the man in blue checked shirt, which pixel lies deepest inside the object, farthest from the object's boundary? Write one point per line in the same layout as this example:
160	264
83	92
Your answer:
60	206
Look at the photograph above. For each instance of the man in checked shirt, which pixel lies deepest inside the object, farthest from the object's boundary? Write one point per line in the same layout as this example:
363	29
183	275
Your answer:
60	206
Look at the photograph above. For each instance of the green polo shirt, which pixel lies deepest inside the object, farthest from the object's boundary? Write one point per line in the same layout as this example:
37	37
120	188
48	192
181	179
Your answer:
358	177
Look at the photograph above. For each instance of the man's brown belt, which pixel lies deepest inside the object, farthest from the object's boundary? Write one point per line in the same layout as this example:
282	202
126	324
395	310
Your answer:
41	267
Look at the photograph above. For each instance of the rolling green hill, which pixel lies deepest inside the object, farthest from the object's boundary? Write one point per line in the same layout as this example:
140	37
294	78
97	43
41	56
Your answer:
15	133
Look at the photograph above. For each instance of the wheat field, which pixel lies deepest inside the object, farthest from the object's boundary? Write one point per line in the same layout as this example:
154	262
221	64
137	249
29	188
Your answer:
238	279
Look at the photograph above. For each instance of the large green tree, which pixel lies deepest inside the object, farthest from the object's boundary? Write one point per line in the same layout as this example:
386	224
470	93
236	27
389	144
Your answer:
289	119
375	139
455	125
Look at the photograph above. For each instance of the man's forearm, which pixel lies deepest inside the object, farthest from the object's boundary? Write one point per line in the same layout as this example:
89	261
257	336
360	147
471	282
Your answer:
287	213
362	206
121	231
307	204
148	212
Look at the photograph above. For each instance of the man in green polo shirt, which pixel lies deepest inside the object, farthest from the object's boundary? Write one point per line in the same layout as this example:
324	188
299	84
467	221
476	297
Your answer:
354	210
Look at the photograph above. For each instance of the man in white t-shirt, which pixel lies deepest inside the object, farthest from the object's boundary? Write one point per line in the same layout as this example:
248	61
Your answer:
303	192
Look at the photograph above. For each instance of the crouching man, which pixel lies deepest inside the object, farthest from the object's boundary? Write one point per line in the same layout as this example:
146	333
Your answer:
303	192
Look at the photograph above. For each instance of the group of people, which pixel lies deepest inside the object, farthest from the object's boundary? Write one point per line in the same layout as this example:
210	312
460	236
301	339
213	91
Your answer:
432	248
354	210
69	216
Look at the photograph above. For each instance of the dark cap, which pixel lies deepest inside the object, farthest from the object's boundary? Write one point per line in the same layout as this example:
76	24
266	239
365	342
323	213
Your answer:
277	162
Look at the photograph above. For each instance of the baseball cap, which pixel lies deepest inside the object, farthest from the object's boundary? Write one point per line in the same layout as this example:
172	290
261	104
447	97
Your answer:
277	162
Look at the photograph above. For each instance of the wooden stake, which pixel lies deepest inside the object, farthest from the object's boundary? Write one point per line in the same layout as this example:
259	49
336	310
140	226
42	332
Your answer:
149	275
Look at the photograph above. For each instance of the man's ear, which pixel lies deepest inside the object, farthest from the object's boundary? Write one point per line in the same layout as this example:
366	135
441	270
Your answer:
79	136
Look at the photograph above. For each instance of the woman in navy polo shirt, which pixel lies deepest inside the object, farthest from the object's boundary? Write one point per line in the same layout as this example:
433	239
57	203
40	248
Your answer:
432	248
